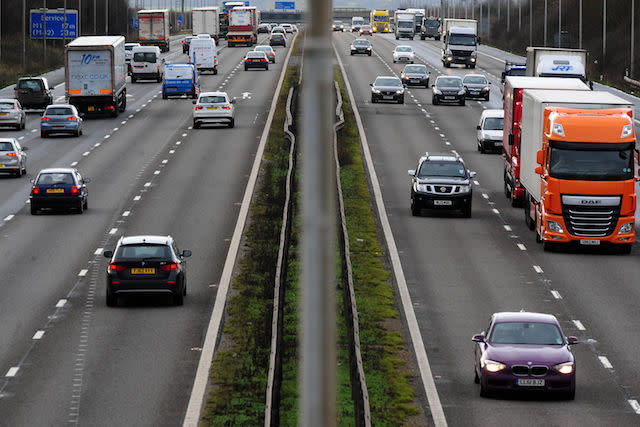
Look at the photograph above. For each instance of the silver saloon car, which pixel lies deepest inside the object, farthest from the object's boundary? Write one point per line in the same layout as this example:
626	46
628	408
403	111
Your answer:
213	107
11	114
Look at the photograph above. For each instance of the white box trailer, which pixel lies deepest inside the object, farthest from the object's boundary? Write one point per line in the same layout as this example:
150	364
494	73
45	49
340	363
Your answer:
534	102
206	20
153	28
96	74
556	62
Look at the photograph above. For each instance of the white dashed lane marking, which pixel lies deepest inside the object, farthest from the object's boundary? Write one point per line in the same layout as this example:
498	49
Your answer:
522	247
126	213
12	371
579	325
83	272
507	227
635	405
61	303
538	269
605	362
556	294
38	335
113	231
98	251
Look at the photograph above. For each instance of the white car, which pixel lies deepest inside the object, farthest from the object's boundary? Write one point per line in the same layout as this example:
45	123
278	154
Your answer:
490	130
404	53
128	51
213	107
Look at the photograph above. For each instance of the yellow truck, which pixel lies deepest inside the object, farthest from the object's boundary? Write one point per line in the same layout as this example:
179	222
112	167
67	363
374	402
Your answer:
379	20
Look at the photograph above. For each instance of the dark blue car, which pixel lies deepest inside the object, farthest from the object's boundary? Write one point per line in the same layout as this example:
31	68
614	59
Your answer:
180	79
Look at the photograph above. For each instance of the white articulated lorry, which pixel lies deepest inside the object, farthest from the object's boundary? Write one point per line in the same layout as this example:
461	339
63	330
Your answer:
405	24
96	74
556	62
153	28
206	20
460	42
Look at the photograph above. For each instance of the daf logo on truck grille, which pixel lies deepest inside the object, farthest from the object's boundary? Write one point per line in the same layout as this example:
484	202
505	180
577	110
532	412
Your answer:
590	202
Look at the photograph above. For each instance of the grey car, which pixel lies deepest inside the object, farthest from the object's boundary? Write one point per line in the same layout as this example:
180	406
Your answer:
415	75
11	114
61	118
476	86
387	88
361	46
268	50
13	159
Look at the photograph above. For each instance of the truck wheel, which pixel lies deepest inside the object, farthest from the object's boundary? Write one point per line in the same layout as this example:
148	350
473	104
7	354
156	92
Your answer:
507	191
422	37
123	104
215	71
527	217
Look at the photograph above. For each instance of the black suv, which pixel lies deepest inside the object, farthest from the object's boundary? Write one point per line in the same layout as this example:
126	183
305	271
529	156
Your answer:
33	92
146	265
441	181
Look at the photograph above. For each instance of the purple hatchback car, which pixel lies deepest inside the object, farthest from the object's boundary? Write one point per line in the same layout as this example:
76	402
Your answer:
524	351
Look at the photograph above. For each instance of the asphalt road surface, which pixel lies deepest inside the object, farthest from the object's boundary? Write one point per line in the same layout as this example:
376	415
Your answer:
459	271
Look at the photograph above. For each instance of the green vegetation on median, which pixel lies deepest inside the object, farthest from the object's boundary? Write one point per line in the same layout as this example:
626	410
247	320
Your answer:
390	394
240	370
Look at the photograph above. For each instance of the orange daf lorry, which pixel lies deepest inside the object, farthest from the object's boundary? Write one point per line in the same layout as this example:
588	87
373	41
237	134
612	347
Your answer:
577	154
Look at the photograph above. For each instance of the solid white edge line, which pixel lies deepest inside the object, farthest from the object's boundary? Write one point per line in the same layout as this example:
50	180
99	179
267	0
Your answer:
635	405
196	399
605	362
437	412
12	371
579	325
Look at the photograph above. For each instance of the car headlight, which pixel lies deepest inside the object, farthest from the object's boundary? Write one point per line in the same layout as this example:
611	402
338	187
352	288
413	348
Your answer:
465	188
486	89
492	366
422	188
564	368
375	28
437	91
374	90
400	91
473	59
462	92
353	48
626	228
554	226
368	48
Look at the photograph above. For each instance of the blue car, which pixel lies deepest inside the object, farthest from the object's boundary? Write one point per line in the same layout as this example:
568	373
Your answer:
180	79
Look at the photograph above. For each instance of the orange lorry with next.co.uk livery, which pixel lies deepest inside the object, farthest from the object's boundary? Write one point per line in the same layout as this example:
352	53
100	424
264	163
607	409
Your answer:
577	154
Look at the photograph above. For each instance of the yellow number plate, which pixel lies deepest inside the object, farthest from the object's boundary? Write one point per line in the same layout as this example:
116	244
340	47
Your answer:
212	108
143	271
3	114
55	190
1	165
91	108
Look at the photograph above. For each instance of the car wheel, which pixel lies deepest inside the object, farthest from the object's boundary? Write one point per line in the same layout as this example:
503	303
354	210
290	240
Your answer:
369	53
462	102
43	134
80	207
487	98
351	53
266	68
246	68
196	125
483	390
415	210
434	100
133	79
466	211
373	100
77	134
112	300
401	100
215	71
178	299
481	147
232	123
86	204
476	378
531	223
34	210
18	126
18	174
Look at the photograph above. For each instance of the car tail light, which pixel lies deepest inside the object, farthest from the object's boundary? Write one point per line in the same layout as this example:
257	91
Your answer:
45	119
198	107
74	190
110	107
72	118
226	107
263	60
247	60
35	190
12	154
169	267
116	267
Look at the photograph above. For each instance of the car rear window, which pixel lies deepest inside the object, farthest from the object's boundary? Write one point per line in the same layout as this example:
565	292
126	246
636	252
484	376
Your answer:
212	99
144	57
55	178
140	251
263	49
6	105
30	84
6	146
255	55
58	111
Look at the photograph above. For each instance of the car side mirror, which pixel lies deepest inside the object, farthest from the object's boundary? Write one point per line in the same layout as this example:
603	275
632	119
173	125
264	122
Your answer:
511	139
572	340
186	253
478	127
107	254
86	180
538	170
478	338
371	84
33	181
233	101
539	157
25	148
472	174
15	88
479	40
411	172
193	102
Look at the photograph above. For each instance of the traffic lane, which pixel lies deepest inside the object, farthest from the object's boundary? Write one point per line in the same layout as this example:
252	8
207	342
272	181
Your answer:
442	286
615	333
223	169
62	150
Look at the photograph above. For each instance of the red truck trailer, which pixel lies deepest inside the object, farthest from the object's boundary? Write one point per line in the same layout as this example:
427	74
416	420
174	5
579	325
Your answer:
513	88
243	26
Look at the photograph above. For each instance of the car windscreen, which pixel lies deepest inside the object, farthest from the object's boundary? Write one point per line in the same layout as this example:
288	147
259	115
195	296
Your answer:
53	178
475	80
381	18
415	69
6	105
589	164
462	39
361	43
35	85
215	99
263	49
255	55
448	82
493	123
526	333
517	72
6	146
58	111
403	49
143	251
388	82
365	27
436	168
128	47
144	57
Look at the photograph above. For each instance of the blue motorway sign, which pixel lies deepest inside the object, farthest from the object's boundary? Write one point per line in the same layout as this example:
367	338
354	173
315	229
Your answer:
134	23
55	22
284	5
180	20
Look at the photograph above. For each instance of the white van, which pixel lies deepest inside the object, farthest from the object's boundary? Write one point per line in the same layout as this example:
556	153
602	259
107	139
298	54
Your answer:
204	53
146	64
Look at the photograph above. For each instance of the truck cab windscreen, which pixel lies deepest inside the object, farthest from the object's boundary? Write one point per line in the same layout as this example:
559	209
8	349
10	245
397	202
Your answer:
381	18
591	165
462	39
405	24
432	23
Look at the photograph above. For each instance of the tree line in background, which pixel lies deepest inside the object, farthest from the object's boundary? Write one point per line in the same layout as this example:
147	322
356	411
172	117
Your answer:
609	57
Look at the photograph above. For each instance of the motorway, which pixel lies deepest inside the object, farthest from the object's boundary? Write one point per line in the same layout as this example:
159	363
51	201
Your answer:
459	271
69	359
